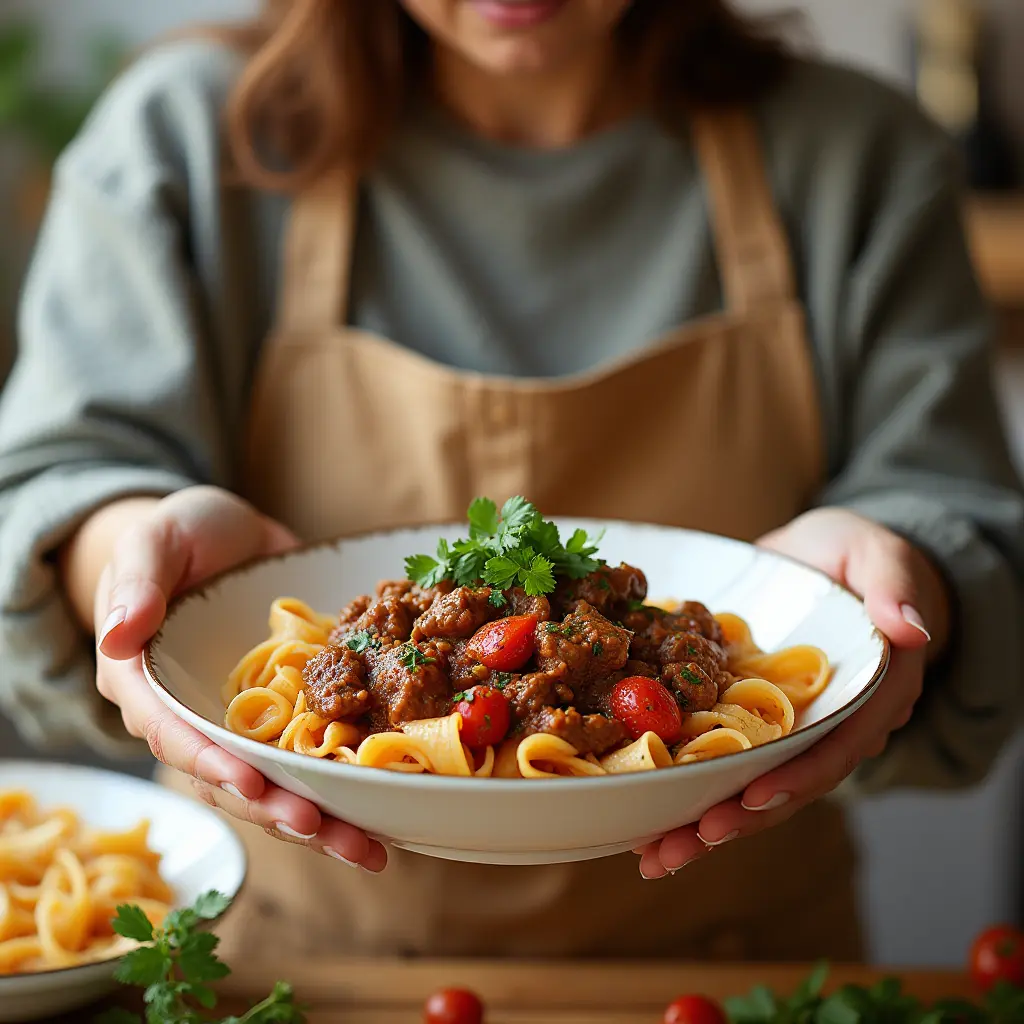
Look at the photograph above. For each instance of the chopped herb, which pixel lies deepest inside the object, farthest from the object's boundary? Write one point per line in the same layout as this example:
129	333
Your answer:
603	584
691	677
412	658
691	650
553	627
597	649
364	640
515	545
497	599
499	680
467	696
637	606
487	720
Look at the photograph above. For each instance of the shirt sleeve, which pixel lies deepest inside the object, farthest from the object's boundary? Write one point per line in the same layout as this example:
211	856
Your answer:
926	455
114	391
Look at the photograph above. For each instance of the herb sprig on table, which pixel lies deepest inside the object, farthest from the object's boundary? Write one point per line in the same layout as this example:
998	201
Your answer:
883	1003
176	964
513	546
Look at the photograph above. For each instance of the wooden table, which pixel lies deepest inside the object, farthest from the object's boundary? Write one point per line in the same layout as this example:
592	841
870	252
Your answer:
385	992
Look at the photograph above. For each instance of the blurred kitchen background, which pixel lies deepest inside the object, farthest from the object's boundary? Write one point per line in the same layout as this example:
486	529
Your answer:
936	868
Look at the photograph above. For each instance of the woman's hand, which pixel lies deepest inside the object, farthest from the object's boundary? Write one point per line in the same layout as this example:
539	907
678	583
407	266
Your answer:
906	599
171	545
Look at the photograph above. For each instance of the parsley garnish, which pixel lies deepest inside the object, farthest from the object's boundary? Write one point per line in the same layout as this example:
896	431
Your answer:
637	606
603	584
466	695
597	649
499	680
411	657
497	599
882	1003
515	546
364	640
175	965
690	676
554	627
691	650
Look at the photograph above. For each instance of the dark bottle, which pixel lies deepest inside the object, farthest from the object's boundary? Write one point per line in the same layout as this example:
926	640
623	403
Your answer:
951	78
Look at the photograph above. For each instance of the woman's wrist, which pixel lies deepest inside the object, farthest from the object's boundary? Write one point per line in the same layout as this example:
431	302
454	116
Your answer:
83	557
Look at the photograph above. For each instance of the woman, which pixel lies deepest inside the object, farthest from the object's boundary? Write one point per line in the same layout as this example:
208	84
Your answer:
627	258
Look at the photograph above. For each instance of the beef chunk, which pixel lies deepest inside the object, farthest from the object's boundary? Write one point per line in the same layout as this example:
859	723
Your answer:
694	689
603	589
410	682
702	620
336	684
520	603
692	647
465	670
589	734
349	614
387	619
458	614
583	647
416	598
651	627
531	693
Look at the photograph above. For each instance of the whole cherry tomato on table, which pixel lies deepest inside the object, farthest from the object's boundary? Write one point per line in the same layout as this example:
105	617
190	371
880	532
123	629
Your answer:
694	1010
453	1006
486	717
644	705
505	644
998	955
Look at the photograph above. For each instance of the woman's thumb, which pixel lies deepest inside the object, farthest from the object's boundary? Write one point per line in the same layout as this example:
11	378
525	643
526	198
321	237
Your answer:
146	568
881	573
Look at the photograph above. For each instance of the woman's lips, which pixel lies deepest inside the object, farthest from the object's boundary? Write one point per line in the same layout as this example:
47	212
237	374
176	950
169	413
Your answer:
517	13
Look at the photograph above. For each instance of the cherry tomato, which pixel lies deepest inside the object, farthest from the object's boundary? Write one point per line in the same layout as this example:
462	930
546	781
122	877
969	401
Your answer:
694	1010
505	644
998	955
453	1006
485	717
644	705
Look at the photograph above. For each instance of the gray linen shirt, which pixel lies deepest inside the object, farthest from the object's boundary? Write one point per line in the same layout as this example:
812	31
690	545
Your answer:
154	285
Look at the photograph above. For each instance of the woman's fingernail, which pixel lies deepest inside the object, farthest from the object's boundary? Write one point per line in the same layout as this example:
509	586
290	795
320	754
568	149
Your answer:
769	805
114	619
650	878
722	841
680	867
331	852
912	617
282	827
232	790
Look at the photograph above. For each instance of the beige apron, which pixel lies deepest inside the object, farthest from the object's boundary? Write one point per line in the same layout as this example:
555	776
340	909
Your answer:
352	432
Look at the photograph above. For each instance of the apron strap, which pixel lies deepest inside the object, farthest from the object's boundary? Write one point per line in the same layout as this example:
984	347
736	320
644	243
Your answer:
317	257
753	252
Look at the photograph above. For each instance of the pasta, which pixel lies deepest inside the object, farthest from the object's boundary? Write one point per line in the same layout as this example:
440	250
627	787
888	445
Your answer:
267	701
60	884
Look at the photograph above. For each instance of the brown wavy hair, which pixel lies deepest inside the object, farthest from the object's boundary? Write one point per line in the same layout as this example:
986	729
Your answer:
327	80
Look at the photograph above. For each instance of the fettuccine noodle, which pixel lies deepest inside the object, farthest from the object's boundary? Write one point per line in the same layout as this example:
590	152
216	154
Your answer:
60	884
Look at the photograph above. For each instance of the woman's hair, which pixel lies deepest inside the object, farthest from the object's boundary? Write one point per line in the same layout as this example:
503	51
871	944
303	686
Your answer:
327	80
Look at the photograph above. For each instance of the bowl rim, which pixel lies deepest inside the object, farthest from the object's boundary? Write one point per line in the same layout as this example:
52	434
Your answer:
429	780
62	767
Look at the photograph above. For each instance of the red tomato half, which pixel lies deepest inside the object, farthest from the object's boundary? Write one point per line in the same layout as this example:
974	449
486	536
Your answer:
694	1010
644	705
453	1006
505	644
485	717
998	955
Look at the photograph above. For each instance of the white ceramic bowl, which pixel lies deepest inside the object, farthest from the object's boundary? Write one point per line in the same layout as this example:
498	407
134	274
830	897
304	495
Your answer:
200	852
511	821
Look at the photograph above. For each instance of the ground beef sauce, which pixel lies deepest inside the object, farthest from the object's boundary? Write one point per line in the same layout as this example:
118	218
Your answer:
404	655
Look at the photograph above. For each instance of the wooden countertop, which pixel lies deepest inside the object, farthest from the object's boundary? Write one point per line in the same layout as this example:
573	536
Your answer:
995	225
338	991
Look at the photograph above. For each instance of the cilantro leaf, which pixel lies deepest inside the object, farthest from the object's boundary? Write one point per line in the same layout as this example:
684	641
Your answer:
544	537
577	542
412	657
517	513
364	640
538	578
211	905
501	572
132	923
483	518
424	570
196	960
146	965
497	599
